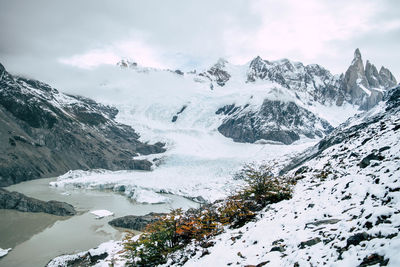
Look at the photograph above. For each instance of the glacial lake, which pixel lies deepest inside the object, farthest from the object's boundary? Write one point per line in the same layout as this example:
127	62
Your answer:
36	238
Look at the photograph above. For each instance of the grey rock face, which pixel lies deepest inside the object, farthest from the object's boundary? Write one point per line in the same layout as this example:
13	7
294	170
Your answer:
372	75
354	78
20	202
133	222
275	121
45	133
387	78
357	239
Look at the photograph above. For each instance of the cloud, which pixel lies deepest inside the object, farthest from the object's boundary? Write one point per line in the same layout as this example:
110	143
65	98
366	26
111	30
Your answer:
134	50
302	30
61	36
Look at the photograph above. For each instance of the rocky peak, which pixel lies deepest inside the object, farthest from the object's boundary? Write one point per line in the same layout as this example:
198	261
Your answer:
364	87
127	63
218	73
256	62
355	76
387	78
357	55
221	63
355	81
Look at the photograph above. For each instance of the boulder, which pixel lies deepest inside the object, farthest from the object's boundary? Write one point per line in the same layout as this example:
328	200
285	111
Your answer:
133	222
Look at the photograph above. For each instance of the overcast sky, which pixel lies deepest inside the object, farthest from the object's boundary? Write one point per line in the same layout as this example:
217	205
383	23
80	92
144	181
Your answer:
46	39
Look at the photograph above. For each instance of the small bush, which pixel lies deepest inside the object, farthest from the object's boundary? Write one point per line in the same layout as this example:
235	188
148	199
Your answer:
264	187
159	239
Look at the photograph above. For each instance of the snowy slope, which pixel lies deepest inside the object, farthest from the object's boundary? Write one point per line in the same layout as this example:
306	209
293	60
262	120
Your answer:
345	209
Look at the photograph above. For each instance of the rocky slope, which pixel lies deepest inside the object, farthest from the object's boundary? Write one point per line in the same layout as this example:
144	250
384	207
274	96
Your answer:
45	133
275	121
345	209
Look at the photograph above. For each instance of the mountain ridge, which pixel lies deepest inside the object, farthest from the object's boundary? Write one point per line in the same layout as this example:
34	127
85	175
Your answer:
46	133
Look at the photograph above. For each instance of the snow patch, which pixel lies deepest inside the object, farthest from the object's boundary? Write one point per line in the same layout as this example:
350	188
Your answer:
4	252
102	213
147	196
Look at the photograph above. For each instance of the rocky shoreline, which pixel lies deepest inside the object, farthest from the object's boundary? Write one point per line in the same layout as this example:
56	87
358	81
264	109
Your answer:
20	202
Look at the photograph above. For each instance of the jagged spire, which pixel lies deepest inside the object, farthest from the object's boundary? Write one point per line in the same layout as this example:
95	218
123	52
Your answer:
2	70
357	54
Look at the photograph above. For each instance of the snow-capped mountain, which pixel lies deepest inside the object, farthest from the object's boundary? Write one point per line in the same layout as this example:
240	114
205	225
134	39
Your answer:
316	81
283	119
360	85
45	133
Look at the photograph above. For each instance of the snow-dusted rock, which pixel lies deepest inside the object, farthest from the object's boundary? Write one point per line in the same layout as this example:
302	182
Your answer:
104	255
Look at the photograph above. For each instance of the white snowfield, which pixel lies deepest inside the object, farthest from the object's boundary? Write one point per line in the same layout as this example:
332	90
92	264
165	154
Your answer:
199	161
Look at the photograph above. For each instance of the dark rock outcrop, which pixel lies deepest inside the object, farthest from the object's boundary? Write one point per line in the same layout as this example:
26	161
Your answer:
133	222
367	160
357	239
309	243
374	259
45	133
276	121
20	202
